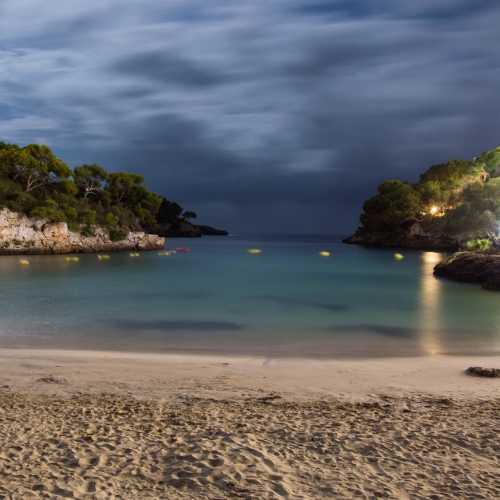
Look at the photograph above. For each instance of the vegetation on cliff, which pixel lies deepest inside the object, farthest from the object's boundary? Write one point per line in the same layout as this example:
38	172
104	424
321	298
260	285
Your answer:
35	182
458	200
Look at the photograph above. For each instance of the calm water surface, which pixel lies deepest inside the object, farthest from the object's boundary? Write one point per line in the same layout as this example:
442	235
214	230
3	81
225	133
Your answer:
218	298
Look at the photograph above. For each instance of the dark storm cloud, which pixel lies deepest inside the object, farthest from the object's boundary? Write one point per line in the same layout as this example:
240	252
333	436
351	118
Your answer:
423	9
168	69
278	115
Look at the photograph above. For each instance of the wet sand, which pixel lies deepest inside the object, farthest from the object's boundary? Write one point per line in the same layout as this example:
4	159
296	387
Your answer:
109	425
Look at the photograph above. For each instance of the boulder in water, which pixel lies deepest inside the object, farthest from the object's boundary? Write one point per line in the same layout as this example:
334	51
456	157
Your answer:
471	267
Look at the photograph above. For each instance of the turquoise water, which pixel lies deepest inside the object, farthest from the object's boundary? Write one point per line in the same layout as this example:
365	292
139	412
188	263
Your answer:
286	301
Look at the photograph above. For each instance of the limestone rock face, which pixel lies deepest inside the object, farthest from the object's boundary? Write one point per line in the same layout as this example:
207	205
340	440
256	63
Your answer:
20	234
471	267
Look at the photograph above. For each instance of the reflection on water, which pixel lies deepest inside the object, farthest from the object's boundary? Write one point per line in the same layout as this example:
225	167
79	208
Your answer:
430	300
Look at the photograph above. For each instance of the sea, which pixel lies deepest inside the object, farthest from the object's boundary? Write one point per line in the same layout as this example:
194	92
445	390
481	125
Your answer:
289	296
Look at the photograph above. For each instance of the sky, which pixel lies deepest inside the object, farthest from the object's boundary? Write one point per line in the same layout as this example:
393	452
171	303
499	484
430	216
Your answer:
261	115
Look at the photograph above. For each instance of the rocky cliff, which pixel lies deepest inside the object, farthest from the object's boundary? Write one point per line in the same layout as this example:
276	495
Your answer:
20	234
470	267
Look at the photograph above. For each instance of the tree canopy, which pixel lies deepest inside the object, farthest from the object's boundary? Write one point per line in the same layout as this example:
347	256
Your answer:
395	202
491	161
455	197
36	182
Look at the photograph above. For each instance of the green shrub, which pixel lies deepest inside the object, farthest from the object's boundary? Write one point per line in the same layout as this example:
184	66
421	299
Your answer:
74	227
87	231
117	234
88	217
479	245
49	210
111	220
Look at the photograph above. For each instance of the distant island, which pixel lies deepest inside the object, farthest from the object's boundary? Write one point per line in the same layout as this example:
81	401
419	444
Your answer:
454	205
47	207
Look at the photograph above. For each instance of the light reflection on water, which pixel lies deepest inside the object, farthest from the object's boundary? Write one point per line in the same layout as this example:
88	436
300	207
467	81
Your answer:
430	297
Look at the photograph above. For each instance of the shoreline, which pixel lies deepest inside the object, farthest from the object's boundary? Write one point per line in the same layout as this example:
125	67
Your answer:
210	375
412	245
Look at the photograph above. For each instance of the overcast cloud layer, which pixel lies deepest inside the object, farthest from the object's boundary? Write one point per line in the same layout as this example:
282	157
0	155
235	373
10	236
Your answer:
277	115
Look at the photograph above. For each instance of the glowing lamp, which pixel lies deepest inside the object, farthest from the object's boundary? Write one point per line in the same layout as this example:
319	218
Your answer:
434	210
325	253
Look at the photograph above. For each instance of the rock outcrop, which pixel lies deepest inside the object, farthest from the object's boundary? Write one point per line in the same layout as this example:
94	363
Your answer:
184	229
470	267
180	230
411	235
212	231
479	371
22	235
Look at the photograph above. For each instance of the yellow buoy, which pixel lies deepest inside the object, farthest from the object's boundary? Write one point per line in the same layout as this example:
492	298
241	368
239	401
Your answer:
398	256
134	254
24	262
103	257
325	253
254	251
72	259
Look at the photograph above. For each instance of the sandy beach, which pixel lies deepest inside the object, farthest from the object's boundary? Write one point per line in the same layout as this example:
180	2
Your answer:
77	424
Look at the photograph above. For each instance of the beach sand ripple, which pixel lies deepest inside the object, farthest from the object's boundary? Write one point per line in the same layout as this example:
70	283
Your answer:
109	446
